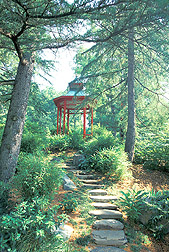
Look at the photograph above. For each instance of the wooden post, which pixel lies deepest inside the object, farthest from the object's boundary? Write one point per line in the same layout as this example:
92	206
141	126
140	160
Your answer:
92	121
58	120
68	121
84	122
64	116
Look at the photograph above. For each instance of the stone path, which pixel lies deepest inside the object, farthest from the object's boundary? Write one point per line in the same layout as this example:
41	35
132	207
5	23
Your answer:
107	233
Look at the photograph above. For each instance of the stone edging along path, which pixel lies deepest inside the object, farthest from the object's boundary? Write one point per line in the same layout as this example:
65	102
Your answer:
107	230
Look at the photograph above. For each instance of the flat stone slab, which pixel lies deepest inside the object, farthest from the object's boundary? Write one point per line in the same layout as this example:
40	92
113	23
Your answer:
107	249
108	224
109	237
90	181
103	198
88	176
78	158
104	206
94	186
78	172
67	167
106	214
98	192
68	184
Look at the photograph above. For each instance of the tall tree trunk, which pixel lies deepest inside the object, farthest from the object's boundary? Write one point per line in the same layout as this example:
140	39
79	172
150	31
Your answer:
12	135
130	136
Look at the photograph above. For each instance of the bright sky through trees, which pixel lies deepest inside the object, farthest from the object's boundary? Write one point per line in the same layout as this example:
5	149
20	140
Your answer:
64	70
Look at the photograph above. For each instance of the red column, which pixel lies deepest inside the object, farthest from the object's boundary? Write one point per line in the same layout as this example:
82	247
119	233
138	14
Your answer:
64	116
68	121
92	122
58	120
84	122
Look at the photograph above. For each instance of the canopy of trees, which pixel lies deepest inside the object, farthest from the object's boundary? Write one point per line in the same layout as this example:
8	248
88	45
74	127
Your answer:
129	58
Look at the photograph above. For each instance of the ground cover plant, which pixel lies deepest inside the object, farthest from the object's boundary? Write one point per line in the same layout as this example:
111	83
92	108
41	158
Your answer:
34	138
36	176
64	142
29	224
104	154
108	161
148	208
152	150
102	138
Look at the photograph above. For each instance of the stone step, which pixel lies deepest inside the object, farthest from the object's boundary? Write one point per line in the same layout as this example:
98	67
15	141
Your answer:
108	224
70	162
109	237
106	214
90	181
87	176
104	206
94	186
102	198
98	192
68	167
107	249
78	172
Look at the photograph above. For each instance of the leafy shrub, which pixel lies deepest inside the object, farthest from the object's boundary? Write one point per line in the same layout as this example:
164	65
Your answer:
36	176
76	139
29	227
108	161
59	142
4	197
31	143
153	205
103	140
158	204
153	151
132	203
69	203
84	240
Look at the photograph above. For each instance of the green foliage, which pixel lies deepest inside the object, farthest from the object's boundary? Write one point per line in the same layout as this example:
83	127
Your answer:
29	227
59	142
102	139
153	151
36	176
132	203
112	162
31	143
158	204
69	203
4	197
84	240
34	137
136	238
63	142
154	205
76	139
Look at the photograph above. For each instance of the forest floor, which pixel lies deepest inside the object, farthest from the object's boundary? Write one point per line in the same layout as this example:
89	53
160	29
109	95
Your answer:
140	179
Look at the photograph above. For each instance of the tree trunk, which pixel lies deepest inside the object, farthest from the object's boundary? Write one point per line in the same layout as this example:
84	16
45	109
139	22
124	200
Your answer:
130	136
12	135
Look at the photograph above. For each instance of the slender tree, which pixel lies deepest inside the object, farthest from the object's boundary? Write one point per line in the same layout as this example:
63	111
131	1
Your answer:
28	27
112	61
130	135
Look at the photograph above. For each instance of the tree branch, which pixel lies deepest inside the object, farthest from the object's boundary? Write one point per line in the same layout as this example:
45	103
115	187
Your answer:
17	47
100	74
151	90
7	82
106	89
77	10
